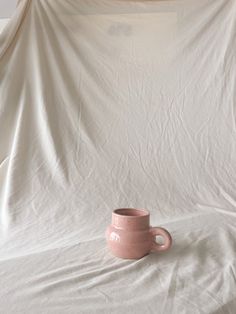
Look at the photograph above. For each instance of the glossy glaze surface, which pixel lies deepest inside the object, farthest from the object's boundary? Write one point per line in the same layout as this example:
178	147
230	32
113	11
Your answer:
131	236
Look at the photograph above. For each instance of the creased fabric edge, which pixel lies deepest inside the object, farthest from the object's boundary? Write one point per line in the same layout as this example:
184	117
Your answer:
10	31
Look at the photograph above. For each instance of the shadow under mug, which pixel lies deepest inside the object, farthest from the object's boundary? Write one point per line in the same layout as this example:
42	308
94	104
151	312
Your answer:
131	236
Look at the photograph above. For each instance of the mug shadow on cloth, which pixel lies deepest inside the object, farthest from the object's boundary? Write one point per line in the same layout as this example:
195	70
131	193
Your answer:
176	252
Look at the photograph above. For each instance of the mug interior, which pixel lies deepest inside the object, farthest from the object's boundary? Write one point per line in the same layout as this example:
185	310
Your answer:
131	212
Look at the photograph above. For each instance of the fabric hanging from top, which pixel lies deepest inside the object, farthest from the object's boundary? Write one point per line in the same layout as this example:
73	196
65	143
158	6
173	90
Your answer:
107	104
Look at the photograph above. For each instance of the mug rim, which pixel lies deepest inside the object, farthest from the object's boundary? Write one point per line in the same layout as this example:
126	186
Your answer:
145	212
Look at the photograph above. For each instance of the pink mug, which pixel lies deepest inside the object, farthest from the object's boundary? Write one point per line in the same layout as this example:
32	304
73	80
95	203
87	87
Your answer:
131	236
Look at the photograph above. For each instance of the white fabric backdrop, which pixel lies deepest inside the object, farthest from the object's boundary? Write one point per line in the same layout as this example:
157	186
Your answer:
3	23
107	104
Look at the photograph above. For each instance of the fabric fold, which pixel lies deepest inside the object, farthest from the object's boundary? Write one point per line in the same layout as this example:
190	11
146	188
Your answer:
9	33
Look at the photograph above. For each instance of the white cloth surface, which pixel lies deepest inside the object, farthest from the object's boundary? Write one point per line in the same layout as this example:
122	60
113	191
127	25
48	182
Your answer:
3	22
107	104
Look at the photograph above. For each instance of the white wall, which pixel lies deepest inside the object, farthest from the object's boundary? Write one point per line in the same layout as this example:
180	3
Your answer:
7	7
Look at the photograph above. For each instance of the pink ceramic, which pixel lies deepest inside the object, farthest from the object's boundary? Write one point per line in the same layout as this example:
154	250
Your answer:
131	236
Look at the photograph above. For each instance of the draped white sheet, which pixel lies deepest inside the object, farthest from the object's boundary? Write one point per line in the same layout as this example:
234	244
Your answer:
115	103
3	22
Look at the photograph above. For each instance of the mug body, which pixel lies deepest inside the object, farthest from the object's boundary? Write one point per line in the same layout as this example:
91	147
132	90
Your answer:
129	235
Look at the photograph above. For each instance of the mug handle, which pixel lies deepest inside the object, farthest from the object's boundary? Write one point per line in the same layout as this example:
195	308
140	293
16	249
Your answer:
157	231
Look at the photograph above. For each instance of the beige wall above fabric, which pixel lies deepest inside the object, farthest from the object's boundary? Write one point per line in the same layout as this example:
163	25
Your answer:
7	8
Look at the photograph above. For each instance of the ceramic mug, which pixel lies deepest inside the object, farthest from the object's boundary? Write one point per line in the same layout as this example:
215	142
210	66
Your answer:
131	236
